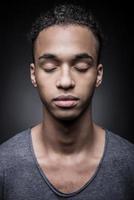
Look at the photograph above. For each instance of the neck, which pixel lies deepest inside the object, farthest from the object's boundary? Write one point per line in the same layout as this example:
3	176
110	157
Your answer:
67	137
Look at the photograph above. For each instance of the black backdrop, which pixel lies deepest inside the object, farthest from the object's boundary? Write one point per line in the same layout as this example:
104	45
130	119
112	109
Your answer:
113	102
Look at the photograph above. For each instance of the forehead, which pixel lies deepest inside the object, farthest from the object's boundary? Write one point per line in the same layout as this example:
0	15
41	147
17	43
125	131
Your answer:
65	40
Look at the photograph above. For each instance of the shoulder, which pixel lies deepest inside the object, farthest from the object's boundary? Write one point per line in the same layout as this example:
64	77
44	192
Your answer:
14	147
119	143
120	151
14	142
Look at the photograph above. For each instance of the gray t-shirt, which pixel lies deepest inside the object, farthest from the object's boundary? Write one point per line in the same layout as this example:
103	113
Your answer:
21	177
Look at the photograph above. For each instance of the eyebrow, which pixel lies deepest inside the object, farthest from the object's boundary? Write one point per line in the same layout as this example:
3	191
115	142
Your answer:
75	57
83	56
48	56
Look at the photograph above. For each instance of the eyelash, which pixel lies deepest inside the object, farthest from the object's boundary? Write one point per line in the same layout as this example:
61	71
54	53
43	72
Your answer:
49	70
82	70
52	70
78	67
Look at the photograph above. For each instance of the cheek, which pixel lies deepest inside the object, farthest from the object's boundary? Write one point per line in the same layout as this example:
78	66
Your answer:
43	81
88	82
86	89
44	85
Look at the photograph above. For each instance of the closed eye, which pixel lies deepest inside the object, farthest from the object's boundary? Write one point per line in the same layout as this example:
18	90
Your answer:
82	66
48	65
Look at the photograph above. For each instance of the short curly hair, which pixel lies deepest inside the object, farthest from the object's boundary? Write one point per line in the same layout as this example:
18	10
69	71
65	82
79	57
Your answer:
67	14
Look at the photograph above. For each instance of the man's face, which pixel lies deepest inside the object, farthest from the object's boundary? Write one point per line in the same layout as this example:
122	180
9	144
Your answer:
65	71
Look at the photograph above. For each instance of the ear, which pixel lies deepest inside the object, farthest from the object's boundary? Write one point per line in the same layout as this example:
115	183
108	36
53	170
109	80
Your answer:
32	74
99	75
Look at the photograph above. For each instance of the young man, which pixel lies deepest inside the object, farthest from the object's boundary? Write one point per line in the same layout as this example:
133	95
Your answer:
67	156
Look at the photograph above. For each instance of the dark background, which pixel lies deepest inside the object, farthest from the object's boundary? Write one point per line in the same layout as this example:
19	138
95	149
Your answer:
113	102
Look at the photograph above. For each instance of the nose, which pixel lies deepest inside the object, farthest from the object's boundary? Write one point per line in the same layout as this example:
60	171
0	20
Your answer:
65	80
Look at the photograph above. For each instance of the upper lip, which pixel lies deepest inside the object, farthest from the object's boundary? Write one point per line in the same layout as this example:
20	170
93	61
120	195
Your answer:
65	98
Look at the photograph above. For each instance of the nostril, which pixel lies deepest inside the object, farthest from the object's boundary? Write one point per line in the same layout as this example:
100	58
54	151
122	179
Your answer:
65	82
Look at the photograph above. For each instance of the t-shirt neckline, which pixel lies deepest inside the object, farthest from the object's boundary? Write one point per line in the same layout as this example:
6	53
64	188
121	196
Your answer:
52	187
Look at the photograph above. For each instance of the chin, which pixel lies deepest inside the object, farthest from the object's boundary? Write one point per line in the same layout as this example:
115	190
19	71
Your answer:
66	116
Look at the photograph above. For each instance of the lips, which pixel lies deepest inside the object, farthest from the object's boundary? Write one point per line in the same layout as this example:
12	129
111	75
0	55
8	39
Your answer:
66	101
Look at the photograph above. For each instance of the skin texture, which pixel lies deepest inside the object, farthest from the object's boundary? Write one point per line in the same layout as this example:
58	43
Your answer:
66	64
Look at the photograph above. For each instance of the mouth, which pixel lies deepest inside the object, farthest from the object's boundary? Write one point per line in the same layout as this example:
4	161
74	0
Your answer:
66	101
